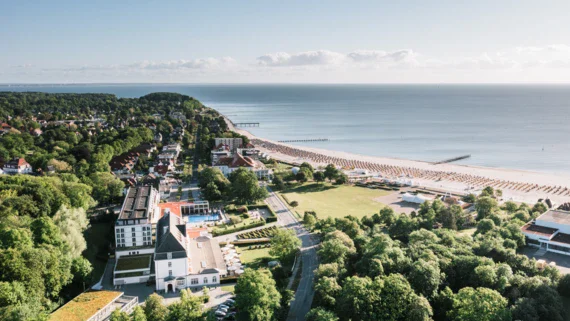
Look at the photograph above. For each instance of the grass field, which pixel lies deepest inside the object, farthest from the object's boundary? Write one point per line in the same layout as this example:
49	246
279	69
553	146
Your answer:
229	288
255	258
335	201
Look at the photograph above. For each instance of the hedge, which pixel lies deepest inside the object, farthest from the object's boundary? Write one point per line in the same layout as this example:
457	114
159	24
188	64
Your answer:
272	218
218	232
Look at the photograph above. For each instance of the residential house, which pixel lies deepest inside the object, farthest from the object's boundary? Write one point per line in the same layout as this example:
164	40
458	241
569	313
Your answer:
17	166
227	165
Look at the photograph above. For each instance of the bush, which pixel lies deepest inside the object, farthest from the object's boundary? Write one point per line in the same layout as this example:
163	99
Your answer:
235	220
218	232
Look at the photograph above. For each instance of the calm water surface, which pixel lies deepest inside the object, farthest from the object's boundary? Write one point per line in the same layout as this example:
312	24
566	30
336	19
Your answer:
512	126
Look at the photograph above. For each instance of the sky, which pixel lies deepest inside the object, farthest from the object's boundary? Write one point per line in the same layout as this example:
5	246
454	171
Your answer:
291	41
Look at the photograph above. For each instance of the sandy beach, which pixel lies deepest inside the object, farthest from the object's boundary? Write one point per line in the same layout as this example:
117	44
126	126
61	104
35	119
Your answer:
517	185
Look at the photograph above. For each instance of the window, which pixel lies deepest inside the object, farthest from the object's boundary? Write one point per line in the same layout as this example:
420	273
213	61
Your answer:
180	282
214	279
169	272
134	240
205	279
133	234
194	281
169	264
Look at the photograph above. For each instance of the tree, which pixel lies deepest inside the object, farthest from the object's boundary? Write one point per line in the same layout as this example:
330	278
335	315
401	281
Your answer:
341	179
278	182
245	187
481	304
307	166
257	297
187	309
485	206
119	315
284	244
309	219
106	187
387	216
154	308
294	204
72	222
333	251
331	172
320	314
485	226
564	285
211	192
138	314
319	177
425	277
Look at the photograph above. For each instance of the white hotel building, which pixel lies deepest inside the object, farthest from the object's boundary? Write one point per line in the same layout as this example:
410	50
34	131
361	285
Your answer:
550	231
177	257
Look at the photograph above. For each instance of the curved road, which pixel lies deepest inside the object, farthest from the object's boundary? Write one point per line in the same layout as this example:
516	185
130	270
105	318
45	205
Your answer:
303	299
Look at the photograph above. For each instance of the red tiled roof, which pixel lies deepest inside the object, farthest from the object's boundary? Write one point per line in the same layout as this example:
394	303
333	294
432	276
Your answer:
236	161
17	162
195	232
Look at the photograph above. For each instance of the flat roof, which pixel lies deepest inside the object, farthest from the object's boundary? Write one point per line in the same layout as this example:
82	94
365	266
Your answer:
205	254
84	306
538	230
133	262
136	203
561	238
555	216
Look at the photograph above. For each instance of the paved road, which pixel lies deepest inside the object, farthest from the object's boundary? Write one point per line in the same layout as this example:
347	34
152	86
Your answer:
301	304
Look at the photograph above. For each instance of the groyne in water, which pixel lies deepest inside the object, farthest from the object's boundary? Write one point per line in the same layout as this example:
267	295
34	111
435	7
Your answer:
454	159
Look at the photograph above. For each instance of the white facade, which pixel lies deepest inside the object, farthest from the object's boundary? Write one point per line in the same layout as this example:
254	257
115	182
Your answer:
134	226
550	231
17	166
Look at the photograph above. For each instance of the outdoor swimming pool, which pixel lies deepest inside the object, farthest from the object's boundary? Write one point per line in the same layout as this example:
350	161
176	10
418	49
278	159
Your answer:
203	218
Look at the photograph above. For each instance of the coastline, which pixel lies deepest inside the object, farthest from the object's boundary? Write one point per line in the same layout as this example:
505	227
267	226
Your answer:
517	185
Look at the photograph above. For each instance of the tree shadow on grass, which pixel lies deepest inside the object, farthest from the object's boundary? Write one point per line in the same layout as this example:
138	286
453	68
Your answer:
310	188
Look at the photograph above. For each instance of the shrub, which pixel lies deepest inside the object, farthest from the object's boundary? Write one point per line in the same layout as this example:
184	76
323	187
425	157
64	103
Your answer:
235	220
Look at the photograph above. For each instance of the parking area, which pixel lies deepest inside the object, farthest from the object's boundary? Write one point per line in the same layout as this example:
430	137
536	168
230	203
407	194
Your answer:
562	261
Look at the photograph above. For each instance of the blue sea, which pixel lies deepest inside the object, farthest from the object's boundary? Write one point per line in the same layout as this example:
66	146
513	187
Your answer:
511	126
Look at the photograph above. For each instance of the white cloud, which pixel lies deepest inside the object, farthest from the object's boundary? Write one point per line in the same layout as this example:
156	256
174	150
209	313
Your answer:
317	66
307	58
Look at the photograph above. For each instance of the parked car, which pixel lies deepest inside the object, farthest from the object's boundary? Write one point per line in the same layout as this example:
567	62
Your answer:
225	310
219	313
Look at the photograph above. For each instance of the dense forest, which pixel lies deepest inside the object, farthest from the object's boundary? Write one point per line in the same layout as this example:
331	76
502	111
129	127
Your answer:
43	216
401	267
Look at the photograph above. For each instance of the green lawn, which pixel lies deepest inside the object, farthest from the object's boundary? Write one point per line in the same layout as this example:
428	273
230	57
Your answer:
334	201
255	258
229	288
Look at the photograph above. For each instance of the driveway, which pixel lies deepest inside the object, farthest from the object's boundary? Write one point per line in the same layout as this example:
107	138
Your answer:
303	299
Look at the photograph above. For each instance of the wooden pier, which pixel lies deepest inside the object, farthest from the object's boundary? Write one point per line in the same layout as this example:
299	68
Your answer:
454	159
246	124
304	140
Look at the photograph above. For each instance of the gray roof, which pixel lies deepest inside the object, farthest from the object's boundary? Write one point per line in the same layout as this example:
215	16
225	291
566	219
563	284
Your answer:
170	237
136	204
206	256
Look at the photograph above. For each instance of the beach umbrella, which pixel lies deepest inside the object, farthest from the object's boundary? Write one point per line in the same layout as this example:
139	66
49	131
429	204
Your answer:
232	251
232	268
